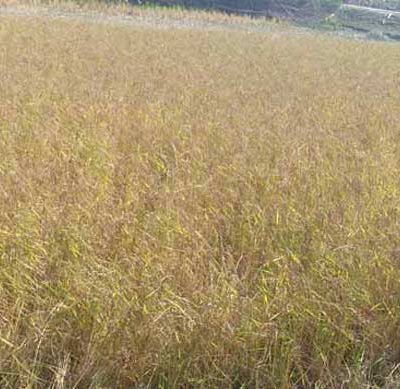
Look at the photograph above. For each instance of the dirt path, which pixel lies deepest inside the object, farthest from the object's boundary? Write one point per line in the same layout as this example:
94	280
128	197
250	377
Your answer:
375	10
168	19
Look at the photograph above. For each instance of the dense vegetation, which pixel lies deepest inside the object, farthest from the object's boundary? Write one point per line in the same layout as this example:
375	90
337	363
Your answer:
293	9
197	209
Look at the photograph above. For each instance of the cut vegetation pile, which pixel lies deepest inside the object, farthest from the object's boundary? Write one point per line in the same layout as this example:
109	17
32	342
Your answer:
197	209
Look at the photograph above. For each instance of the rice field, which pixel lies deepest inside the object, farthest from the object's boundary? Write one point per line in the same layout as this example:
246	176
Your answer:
195	208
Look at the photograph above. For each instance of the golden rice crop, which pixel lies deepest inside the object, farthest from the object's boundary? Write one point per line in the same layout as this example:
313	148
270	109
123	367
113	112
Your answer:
186	208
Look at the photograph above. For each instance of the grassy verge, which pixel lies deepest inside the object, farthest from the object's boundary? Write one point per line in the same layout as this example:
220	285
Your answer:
197	209
101	9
